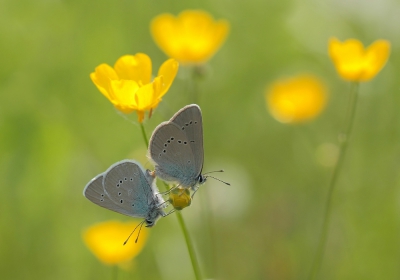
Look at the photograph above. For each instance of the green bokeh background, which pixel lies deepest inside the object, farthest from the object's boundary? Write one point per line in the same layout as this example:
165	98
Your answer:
57	132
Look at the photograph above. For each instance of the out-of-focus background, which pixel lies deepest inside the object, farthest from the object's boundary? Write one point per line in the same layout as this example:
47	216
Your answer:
57	132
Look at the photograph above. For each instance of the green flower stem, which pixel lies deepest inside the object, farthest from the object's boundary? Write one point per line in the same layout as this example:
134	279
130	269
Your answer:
194	75
344	138
189	244
194	86
114	275
144	135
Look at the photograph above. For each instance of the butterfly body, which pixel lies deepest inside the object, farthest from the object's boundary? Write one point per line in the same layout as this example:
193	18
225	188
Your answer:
176	148
128	189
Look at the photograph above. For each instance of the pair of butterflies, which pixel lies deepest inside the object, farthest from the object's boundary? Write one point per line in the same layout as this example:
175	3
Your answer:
176	148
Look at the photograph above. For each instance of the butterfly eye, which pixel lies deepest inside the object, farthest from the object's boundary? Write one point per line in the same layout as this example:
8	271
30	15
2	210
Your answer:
149	223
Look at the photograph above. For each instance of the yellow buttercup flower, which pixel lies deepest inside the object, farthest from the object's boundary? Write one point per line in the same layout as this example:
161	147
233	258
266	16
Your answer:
180	198
191	38
296	99
106	240
128	85
355	63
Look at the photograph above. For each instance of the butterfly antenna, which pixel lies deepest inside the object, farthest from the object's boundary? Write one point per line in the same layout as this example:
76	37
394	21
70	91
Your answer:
213	171
226	183
141	223
137	238
168	191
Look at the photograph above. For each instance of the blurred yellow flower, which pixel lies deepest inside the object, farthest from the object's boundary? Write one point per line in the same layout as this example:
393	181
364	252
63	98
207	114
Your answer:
354	63
128	85
296	99
191	38
106	240
180	198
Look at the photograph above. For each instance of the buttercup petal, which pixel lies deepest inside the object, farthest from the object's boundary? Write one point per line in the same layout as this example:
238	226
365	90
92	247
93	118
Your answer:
101	78
123	93
220	34
163	28
145	98
134	67
377	55
168	71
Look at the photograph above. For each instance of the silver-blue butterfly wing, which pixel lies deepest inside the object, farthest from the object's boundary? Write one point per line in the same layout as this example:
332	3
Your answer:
190	120
127	185
135	196
176	147
95	192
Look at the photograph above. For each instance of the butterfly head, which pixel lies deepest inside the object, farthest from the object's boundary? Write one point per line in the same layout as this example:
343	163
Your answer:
153	216
201	179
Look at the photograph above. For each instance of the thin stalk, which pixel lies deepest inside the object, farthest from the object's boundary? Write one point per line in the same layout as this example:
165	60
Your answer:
146	141
194	75
194	86
343	143
189	244
114	272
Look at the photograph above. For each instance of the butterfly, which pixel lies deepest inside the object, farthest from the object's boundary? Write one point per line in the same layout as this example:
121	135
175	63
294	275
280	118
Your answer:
176	148
128	189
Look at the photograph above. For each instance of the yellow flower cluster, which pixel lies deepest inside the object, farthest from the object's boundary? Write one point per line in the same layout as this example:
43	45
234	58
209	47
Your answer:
303	97
191	38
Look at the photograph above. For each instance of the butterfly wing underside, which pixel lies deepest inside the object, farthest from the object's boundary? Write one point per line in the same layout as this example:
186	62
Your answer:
170	150
126	185
190	120
176	147
95	192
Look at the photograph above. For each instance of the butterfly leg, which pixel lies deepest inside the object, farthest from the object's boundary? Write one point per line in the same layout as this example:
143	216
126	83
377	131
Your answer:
167	192
170	212
163	205
195	188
